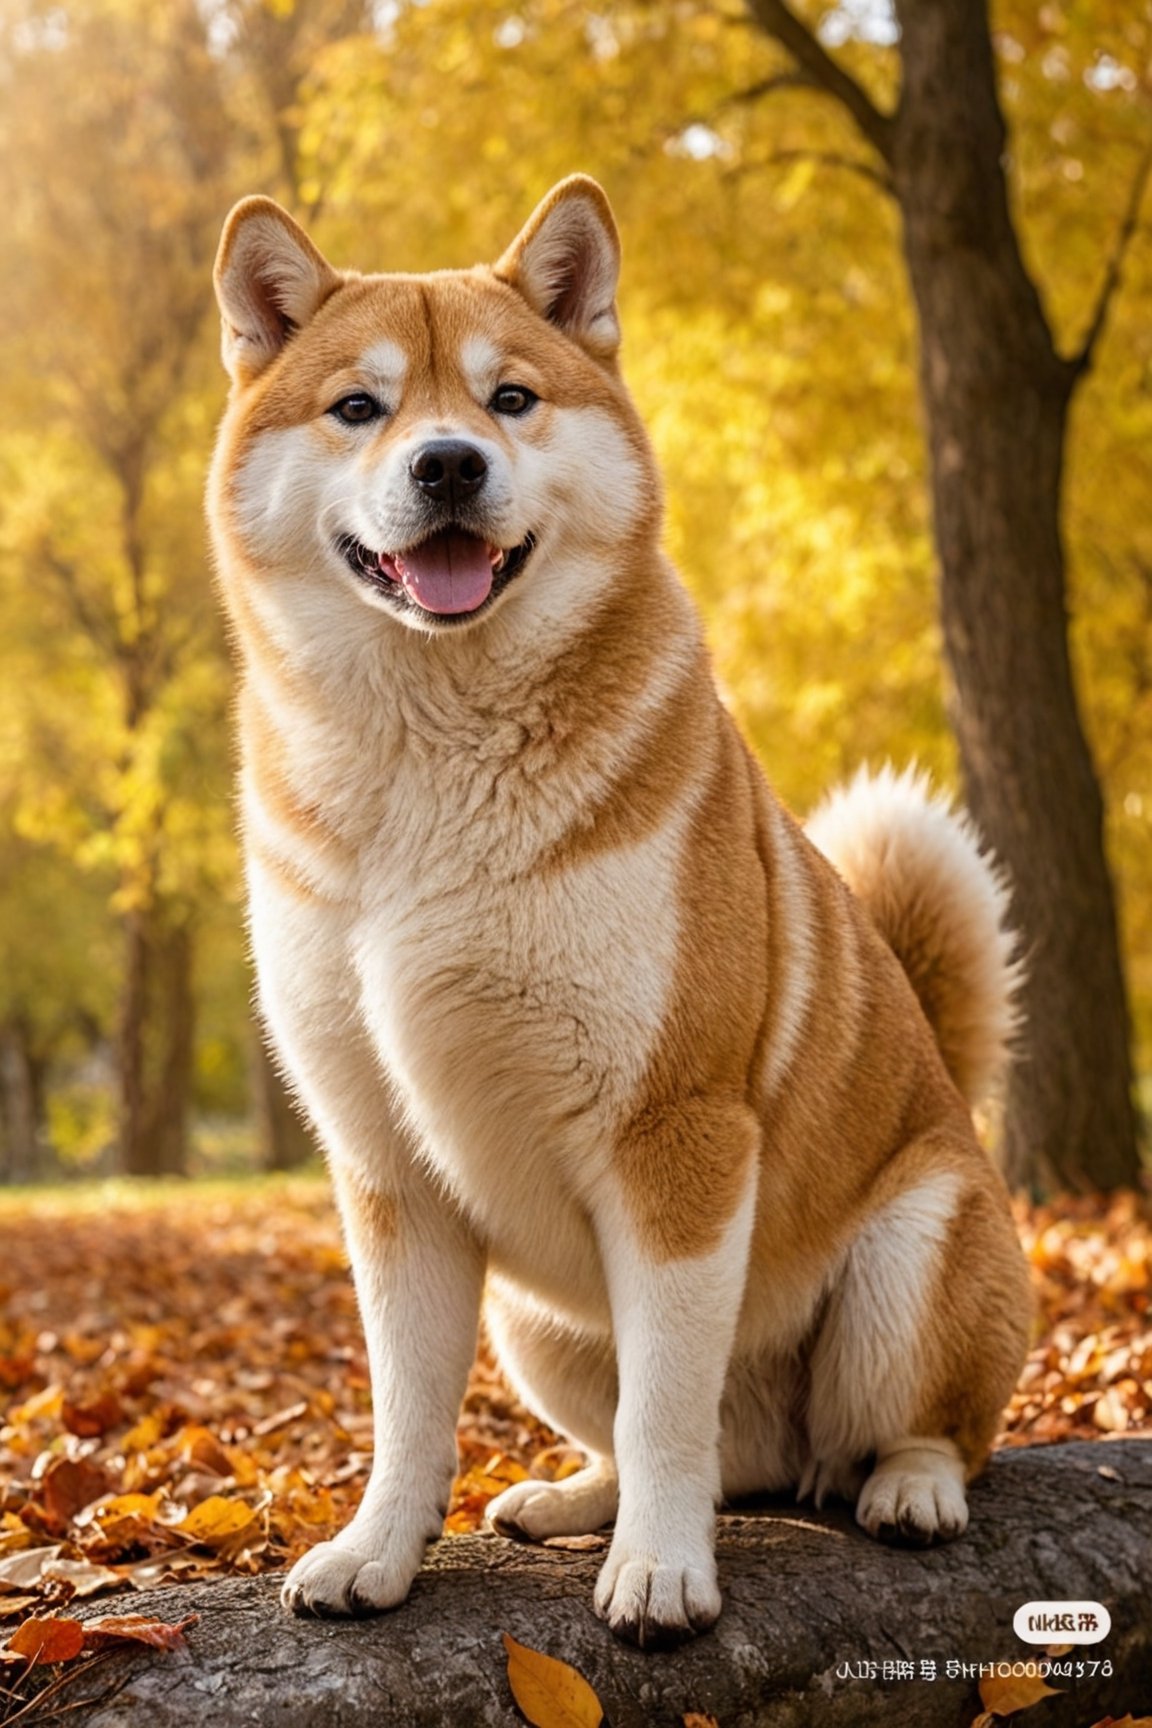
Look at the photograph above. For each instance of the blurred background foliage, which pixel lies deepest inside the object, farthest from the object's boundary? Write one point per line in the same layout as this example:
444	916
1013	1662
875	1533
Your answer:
769	339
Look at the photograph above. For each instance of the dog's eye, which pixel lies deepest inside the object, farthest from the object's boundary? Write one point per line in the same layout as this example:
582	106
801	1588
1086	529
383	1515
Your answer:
356	410
512	399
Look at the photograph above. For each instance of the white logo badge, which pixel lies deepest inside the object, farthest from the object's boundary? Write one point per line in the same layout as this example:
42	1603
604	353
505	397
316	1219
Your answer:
1062	1622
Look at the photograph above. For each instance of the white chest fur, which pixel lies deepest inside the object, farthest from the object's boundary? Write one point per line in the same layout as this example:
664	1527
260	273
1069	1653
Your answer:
511	997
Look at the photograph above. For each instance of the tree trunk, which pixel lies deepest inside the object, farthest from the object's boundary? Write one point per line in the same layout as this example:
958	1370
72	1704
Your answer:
285	1141
157	1026
997	397
135	1153
809	1602
20	1093
170	1088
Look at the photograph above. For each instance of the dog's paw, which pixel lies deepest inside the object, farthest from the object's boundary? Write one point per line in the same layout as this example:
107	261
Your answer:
914	1498
336	1579
657	1604
533	1511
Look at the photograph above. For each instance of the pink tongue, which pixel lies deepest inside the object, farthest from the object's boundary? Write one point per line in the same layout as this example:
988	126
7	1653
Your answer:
452	572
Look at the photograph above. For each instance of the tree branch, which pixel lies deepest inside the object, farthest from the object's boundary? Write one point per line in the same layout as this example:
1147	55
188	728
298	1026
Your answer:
779	22
795	80
94	626
1114	268
822	159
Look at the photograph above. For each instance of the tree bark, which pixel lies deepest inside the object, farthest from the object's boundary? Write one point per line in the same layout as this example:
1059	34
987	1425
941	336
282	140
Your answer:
21	1096
997	397
157	1027
135	1155
805	1594
169	1094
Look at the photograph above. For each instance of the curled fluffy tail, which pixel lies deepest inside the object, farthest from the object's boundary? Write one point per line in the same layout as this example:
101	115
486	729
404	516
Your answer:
940	904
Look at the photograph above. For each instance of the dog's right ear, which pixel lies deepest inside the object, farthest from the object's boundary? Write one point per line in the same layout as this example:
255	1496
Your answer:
270	279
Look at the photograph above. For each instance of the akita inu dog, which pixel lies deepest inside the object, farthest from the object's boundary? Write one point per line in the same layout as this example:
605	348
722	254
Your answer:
575	1005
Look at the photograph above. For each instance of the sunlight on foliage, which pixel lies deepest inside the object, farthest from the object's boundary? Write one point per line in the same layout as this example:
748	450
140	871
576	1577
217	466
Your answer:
768	337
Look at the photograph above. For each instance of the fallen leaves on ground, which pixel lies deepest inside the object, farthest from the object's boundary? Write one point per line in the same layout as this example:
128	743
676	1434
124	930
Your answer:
1006	1695
187	1393
57	1642
550	1693
1089	1373
53	1639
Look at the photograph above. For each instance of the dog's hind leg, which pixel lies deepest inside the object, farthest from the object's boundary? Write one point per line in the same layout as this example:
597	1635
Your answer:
569	1380
925	1333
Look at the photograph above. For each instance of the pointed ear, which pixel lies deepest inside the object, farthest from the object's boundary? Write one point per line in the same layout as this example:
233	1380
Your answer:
566	262
270	279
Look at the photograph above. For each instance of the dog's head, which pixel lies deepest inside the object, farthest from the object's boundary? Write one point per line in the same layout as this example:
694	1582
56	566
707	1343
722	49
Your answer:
434	443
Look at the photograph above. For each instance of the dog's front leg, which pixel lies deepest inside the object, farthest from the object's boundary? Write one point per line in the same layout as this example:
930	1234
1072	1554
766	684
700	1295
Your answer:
674	1316
418	1273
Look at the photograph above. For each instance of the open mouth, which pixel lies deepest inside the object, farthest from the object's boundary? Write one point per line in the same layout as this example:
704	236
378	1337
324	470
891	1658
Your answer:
452	575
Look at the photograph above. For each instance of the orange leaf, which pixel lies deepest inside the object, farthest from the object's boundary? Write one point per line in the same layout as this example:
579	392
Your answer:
201	1447
1005	1695
92	1417
136	1629
69	1485
549	1692
48	1640
695	1720
216	1520
1128	1721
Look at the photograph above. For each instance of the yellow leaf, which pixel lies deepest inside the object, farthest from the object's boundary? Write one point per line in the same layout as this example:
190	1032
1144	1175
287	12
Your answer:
127	1506
549	1692
14	1541
216	1520
146	1433
1005	1695
41	1406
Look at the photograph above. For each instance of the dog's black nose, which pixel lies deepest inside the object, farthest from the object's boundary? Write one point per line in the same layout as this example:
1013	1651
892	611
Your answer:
449	469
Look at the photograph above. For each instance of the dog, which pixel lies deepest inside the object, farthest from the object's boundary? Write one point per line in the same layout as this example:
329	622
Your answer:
580	1013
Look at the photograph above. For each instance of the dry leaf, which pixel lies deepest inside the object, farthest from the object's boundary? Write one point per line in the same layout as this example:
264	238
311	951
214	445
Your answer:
68	1486
695	1720
548	1691
1124	1722
85	1578
15	1539
217	1520
12	1606
21	1571
136	1629
92	1417
1005	1695
47	1640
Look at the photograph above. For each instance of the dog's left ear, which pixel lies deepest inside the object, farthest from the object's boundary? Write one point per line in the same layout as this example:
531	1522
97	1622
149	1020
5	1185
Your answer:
566	263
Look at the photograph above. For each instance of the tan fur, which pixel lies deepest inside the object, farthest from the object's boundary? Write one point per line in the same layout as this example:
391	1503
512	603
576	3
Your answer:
939	906
566	990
